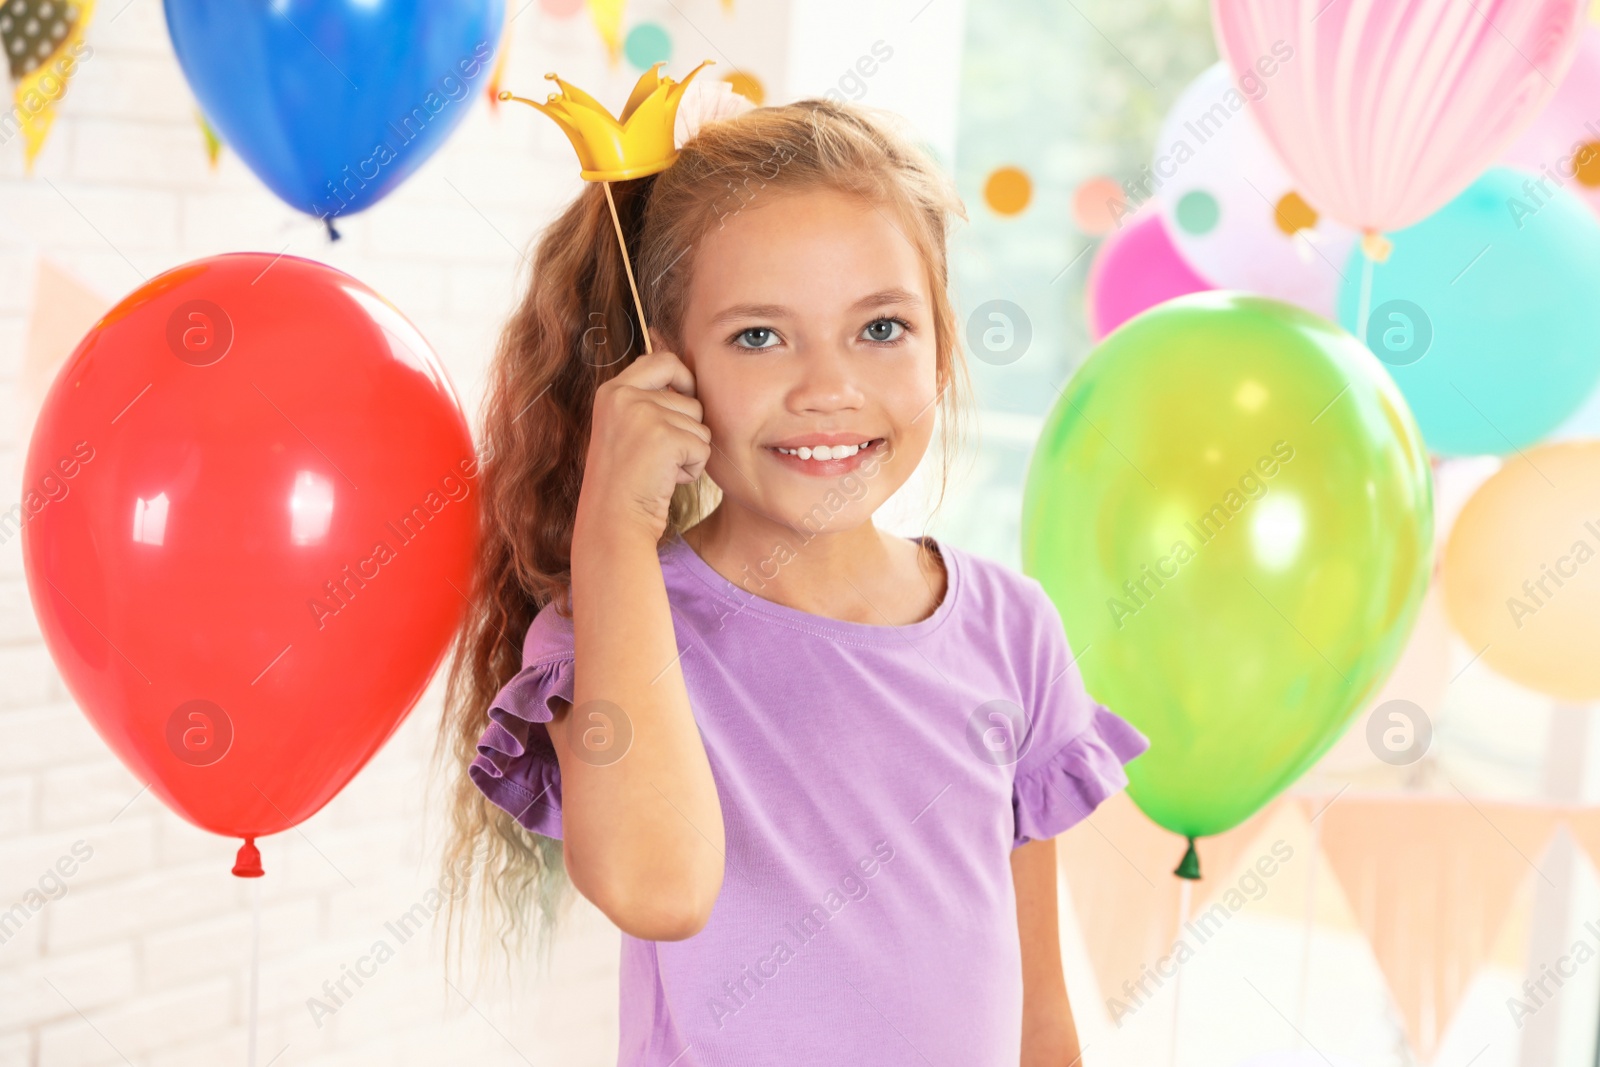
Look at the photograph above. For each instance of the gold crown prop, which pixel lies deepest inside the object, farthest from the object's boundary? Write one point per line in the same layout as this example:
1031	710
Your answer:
635	144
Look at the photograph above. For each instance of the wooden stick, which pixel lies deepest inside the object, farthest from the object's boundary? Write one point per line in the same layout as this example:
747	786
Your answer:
638	307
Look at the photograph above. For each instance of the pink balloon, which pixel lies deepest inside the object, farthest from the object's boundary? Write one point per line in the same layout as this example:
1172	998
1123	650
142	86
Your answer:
1562	145
1382	110
1137	267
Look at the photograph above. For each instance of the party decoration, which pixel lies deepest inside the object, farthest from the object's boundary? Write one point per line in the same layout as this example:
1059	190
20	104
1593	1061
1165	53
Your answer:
63	310
1383	112
1431	881
706	101
498	73
646	45
1485	315
607	16
1520	579
748	86
1008	190
1561	148
1098	204
43	43
1127	906
213	143
1231	209
250	532
331	105
637	143
1231	508
1134	269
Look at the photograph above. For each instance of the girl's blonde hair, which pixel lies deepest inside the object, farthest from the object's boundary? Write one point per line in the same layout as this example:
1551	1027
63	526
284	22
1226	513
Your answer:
574	329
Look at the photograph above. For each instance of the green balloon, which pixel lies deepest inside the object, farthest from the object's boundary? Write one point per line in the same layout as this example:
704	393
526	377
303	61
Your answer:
1232	508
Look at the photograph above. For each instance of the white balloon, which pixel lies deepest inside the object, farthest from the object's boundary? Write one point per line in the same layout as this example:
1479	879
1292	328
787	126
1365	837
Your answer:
1219	186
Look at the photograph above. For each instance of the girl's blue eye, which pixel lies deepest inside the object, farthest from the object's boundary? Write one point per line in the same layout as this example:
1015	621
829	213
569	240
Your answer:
884	331
756	337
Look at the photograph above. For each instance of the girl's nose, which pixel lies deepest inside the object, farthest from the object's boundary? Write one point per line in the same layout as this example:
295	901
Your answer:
827	382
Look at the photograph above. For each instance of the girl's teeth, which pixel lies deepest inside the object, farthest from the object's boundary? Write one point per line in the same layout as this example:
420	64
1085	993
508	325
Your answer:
824	451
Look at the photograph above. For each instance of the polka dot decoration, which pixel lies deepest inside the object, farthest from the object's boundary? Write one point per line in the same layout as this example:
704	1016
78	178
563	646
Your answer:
31	30
1008	190
1586	164
1293	214
1097	204
1198	212
748	86
646	45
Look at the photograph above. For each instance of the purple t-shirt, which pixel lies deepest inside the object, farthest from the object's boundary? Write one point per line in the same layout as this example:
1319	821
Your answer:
873	781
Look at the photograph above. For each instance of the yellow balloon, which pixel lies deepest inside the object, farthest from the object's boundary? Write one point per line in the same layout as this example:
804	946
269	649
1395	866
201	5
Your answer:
1522	570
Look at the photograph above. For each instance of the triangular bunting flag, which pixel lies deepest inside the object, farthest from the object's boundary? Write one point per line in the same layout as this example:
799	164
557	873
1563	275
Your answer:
607	15
1584	825
1118	868
63	310
1430	880
43	40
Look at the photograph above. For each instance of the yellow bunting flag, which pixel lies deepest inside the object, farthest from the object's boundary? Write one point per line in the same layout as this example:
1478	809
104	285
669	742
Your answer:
213	142
607	15
43	43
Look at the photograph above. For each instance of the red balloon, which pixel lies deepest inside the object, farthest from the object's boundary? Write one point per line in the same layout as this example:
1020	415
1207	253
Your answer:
248	530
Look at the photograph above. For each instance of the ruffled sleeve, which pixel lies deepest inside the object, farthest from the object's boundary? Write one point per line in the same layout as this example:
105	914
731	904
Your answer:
516	764
1075	748
1060	792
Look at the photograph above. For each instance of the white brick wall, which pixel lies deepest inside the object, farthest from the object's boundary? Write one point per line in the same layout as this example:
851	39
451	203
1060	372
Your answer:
143	959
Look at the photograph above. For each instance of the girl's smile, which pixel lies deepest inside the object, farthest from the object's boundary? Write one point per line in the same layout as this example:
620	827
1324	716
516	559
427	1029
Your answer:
828	453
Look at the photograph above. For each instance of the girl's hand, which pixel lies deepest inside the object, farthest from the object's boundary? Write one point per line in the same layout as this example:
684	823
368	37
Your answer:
646	440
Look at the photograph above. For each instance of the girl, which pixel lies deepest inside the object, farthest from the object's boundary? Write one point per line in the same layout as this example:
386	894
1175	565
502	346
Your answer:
810	769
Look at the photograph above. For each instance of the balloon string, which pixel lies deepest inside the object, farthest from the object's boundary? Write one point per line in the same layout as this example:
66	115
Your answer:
1305	949
1177	981
255	963
1366	296
629	265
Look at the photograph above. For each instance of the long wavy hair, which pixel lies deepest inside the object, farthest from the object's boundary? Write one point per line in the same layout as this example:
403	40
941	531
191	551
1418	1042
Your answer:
573	329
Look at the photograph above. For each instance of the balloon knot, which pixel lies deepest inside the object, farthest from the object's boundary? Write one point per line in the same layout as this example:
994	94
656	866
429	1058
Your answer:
248	862
1376	246
333	234
1190	866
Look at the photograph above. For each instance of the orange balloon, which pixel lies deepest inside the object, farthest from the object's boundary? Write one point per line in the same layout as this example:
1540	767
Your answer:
1522	570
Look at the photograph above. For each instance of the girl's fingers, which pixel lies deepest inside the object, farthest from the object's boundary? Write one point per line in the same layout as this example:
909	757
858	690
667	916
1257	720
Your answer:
659	370
695	427
675	401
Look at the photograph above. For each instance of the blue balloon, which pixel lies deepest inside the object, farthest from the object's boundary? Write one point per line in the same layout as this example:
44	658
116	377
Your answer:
333	103
1487	313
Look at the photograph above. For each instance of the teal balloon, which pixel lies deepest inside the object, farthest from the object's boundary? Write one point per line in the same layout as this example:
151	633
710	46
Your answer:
1487	313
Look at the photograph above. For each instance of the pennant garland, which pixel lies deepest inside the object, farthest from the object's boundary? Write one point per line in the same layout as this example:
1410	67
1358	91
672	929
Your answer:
1118	868
213	141
607	15
43	41
499	72
1430	882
